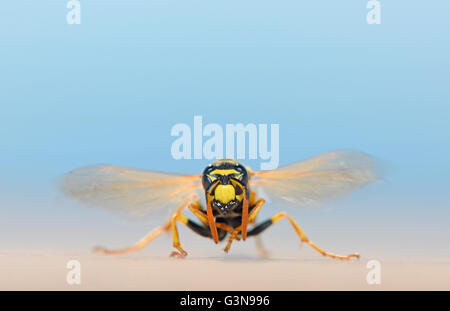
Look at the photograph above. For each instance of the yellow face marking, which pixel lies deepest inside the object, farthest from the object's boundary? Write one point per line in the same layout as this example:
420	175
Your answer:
239	197
224	172
212	178
224	193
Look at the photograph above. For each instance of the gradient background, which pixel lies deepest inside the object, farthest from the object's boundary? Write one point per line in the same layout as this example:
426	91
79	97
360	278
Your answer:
109	91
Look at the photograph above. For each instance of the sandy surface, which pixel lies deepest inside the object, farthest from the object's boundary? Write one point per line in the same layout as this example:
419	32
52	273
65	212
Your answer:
21	270
34	254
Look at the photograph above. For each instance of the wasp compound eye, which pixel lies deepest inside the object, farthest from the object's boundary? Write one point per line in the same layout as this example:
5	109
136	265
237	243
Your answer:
206	178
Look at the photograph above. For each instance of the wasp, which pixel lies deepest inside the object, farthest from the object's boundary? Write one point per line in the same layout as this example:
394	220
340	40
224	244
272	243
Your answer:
231	195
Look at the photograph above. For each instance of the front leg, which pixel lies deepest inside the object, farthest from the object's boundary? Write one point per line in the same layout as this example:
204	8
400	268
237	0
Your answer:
234	234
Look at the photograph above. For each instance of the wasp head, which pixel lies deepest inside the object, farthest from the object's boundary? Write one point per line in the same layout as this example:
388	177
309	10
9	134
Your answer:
224	182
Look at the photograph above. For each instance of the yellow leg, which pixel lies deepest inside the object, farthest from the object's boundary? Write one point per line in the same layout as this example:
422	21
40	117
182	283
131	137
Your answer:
137	246
234	234
225	227
252	198
152	235
176	239
304	238
252	215
258	205
196	209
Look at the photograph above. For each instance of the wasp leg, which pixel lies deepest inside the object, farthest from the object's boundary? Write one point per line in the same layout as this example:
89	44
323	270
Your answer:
260	248
175	237
262	251
201	230
234	234
196	209
252	198
303	238
137	246
255	210
147	238
253	213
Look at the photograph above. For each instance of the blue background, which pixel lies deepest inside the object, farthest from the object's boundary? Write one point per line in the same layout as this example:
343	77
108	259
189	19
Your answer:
109	91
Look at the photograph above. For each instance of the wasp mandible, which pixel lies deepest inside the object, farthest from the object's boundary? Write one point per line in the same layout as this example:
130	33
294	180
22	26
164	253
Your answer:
232	203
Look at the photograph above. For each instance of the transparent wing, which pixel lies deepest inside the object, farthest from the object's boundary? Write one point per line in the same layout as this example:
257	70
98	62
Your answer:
323	177
137	192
